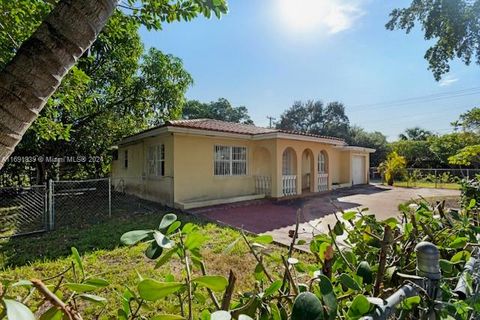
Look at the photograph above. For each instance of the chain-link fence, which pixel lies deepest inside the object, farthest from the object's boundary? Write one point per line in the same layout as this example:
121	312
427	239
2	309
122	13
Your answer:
428	178
23	210
79	202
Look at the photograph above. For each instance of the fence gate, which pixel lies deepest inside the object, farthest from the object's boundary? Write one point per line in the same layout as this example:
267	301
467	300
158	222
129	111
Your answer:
23	210
76	203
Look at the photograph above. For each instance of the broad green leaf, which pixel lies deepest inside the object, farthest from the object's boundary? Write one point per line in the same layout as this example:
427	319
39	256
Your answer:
274	311
78	260
458	243
325	285
167	317
338	228
93	298
365	271
460	256
446	265
173	227
162	240
164	259
263	239
17	310
205	315
133	237
100	283
81	287
153	250
410	302
152	290
194	240
167	220
349	215
349	282
215	283
307	307
360	306
188	227
391	222
220	315
52	314
273	288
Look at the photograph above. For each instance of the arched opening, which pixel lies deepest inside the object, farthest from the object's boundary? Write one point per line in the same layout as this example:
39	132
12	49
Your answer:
289	172
262	171
322	169
308	167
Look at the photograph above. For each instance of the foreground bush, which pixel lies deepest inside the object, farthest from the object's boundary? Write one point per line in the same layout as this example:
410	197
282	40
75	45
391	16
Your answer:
358	264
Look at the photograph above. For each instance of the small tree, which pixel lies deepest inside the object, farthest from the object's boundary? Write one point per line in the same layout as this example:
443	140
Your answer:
392	167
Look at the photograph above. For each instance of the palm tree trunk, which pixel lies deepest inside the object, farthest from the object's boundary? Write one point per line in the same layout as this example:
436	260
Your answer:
42	61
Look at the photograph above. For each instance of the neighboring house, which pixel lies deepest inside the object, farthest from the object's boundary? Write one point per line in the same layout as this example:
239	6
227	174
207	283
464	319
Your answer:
194	163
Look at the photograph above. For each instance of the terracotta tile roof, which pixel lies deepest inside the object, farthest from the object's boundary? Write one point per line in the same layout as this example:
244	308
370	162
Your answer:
222	126
230	127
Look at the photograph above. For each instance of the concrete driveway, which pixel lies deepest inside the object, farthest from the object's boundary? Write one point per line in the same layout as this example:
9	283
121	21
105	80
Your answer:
278	217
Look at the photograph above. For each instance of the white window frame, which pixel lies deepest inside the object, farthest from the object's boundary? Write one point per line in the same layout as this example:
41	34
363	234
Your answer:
156	160
225	167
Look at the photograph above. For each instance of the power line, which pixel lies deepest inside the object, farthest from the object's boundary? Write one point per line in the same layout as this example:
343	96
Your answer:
419	99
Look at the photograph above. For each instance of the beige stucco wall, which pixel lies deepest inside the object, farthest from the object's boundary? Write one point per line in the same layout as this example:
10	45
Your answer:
135	179
339	162
194	168
189	167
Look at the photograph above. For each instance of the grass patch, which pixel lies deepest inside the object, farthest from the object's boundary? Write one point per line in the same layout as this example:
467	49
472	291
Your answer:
45	255
432	185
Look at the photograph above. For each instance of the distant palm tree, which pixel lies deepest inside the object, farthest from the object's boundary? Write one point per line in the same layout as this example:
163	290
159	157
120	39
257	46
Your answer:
415	134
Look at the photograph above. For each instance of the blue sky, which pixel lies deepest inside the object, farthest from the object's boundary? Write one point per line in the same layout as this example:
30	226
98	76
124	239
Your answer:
265	54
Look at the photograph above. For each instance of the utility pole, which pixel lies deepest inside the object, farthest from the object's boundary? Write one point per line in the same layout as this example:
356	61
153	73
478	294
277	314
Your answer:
271	119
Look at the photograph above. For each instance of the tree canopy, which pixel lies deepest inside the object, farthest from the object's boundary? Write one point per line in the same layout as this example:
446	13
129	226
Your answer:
453	26
114	90
221	109
315	117
415	134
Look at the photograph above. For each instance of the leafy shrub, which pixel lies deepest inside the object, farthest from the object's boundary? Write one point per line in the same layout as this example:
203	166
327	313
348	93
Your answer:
393	167
470	190
358	263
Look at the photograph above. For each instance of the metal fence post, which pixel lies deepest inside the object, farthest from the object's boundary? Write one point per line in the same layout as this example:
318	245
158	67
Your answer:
468	174
436	178
109	197
51	206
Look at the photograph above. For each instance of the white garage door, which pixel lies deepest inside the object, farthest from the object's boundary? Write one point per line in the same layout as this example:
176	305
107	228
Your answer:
358	170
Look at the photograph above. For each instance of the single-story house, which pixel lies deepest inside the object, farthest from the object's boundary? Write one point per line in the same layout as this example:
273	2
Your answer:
201	162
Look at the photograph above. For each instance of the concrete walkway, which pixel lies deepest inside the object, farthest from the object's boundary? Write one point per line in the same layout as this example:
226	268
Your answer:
278	217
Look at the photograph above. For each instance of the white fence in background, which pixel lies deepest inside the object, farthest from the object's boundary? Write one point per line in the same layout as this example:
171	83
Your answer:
322	182
289	183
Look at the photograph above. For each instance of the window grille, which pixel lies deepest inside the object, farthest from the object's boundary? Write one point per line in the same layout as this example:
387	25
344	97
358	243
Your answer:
230	161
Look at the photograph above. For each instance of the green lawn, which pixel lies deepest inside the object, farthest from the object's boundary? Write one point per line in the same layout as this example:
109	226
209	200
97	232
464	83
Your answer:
404	184
48	254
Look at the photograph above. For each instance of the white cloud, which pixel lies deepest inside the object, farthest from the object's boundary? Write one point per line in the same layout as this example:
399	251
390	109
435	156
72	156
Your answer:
329	16
447	81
